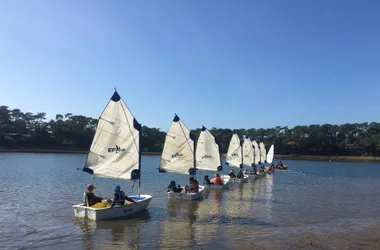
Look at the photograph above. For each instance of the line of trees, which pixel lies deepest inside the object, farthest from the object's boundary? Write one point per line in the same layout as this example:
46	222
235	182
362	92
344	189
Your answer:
28	130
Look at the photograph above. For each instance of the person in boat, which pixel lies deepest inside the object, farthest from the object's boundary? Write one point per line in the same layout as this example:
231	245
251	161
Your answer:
174	188
217	180
90	198
193	187
240	174
261	169
254	170
232	174
119	197
207	181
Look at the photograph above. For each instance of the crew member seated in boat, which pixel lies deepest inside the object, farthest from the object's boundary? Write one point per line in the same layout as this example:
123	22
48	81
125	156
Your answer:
217	180
90	198
254	170
207	181
119	197
193	187
232	174
272	167
240	174
261	169
174	188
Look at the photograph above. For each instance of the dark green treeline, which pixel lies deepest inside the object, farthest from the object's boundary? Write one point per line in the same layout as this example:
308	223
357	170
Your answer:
68	131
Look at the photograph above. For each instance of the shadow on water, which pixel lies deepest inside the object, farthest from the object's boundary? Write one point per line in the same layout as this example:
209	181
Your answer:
118	232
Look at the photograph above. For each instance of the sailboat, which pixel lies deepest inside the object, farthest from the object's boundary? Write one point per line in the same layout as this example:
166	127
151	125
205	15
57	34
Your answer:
248	153
235	157
208	157
263	155
256	158
178	156
115	153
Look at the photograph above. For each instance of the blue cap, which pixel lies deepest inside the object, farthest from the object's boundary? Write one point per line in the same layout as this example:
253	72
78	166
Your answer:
117	188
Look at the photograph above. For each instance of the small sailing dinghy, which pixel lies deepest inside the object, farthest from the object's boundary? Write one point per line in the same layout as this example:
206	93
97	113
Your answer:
235	157
263	155
178	157
248	154
208	157
256	160
115	153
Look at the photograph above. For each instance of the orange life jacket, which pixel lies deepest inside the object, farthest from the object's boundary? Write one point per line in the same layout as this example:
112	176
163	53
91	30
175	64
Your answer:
218	181
194	187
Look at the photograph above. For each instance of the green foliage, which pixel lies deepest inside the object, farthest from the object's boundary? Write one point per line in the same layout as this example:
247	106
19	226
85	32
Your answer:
70	131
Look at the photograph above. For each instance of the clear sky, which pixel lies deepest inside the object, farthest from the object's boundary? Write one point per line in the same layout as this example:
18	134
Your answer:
226	64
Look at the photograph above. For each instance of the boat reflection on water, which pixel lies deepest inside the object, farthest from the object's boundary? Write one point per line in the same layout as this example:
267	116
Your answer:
114	233
177	230
263	198
209	217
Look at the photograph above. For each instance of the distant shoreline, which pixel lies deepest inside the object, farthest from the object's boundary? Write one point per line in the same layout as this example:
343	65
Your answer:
280	157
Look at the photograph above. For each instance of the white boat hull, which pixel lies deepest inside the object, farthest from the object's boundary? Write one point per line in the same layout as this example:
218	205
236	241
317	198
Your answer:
253	176
226	184
262	174
142	202
242	180
187	196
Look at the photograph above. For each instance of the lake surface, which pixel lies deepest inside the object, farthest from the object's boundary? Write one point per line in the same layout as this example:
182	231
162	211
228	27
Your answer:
38	190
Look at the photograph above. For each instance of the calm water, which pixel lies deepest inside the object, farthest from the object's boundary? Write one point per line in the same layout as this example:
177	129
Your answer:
37	191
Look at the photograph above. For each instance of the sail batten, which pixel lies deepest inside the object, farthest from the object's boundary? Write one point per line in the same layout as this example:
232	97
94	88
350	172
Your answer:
178	153
234	152
114	152
207	153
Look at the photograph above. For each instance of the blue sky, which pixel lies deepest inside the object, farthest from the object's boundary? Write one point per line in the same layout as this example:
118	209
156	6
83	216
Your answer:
228	64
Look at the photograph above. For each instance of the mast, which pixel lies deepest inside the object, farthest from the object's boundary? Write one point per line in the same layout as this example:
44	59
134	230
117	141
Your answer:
242	155
139	189
194	160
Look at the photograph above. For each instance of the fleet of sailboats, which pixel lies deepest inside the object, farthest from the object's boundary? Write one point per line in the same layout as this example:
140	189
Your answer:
116	153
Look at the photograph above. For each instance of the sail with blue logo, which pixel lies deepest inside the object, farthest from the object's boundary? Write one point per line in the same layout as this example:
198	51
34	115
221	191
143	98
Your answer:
248	152
115	149
207	154
263	153
270	154
178	153
256	152
234	152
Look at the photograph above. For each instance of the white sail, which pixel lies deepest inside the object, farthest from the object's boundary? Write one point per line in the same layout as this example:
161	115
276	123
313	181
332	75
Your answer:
256	152
207	153
234	152
114	151
263	153
270	154
178	153
248	153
